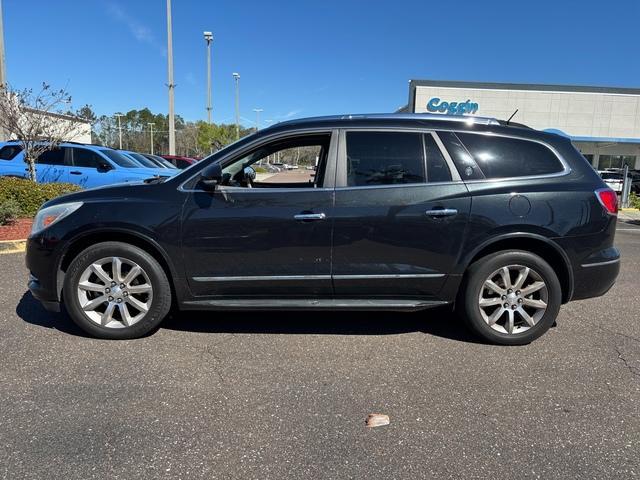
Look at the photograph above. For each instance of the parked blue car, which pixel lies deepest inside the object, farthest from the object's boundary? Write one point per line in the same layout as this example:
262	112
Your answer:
84	165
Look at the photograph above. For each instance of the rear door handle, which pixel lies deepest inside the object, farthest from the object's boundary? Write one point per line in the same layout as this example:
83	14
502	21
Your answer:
309	217
75	172
441	212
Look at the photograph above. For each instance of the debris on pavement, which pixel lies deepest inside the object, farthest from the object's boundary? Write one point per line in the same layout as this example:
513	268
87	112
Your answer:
377	420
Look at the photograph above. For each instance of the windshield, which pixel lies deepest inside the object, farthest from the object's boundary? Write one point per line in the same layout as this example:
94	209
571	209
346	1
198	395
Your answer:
142	160
120	159
611	176
161	161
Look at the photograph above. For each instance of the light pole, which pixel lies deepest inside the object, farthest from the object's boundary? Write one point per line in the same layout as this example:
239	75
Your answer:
236	76
3	72
119	129
258	110
170	84
208	37
151	124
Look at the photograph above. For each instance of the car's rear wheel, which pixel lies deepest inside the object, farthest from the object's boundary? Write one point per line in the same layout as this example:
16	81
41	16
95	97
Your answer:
510	297
115	290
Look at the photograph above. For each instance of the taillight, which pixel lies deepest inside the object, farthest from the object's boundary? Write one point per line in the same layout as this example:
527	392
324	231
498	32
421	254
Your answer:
608	199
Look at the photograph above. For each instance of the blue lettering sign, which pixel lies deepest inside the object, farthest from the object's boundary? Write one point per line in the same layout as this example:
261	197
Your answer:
452	108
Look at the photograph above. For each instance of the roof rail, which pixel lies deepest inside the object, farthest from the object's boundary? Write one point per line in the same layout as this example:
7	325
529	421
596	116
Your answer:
403	116
430	116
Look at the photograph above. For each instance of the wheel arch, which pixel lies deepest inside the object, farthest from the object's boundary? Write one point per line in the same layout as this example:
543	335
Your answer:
143	242
542	246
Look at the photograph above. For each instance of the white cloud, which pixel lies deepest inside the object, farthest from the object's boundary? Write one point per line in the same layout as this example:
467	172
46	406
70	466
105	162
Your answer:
140	32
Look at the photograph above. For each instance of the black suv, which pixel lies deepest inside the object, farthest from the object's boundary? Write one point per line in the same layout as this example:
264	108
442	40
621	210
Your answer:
383	212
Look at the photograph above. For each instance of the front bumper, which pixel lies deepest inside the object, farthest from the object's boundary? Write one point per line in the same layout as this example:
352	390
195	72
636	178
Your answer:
41	295
43	271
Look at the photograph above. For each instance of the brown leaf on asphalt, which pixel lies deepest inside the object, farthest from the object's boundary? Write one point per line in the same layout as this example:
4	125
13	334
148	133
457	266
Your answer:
377	420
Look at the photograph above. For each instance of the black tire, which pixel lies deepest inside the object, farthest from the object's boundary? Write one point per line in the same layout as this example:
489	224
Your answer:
160	303
477	274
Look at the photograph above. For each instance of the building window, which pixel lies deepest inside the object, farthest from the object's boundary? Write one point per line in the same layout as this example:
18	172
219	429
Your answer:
589	157
616	161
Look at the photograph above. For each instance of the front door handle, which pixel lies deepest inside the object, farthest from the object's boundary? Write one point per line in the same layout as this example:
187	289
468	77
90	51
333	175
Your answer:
75	172
309	217
441	212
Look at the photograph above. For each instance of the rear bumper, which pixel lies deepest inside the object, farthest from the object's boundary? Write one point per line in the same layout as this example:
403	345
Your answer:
595	278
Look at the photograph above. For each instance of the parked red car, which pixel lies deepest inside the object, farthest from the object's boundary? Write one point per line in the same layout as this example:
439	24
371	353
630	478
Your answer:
180	162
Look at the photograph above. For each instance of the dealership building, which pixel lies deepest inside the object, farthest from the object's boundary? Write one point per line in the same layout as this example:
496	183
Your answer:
603	122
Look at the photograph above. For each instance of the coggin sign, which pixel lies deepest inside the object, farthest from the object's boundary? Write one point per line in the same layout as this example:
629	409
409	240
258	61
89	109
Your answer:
435	105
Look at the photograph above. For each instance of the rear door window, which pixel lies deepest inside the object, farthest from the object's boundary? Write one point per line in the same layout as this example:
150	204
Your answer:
8	152
504	157
384	158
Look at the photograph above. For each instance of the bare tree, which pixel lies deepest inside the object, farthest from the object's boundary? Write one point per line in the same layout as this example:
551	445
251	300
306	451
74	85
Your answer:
37	120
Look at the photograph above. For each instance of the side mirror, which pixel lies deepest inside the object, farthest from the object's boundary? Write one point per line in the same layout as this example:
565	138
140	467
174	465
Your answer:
104	167
211	176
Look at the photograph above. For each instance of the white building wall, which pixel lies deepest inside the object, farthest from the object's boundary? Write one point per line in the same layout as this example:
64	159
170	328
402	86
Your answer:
583	114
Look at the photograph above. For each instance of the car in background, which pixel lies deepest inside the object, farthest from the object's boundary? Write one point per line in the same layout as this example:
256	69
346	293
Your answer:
180	162
80	164
146	162
614	180
158	160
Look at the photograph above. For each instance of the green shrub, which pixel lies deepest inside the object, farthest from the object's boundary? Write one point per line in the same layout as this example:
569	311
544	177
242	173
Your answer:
260	170
9	211
30	195
634	200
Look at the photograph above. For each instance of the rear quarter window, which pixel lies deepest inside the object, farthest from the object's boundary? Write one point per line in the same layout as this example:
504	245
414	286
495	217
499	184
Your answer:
504	157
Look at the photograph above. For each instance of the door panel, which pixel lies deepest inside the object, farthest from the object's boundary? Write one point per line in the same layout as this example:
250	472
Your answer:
385	243
247	242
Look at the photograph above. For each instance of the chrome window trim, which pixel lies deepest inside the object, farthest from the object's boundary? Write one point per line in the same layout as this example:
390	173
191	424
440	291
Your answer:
329	177
399	185
566	169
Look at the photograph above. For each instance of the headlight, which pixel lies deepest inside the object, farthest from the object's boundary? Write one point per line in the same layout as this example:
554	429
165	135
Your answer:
50	215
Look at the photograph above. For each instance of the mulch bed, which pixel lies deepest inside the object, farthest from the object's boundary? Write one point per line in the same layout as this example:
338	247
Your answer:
18	230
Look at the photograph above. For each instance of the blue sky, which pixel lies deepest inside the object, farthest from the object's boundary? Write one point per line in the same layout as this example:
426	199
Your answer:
303	58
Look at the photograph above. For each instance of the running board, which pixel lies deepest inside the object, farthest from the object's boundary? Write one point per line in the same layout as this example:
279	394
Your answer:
311	304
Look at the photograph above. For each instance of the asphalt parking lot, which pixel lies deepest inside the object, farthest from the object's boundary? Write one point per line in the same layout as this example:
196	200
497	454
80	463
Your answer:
251	395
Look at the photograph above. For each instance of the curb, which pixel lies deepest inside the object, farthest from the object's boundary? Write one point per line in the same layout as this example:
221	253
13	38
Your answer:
12	246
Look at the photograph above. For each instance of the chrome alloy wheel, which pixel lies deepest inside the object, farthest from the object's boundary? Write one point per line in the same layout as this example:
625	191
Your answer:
115	292
513	299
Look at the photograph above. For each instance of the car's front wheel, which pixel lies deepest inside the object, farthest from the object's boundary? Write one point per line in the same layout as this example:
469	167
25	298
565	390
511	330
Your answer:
114	290
510	297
